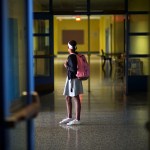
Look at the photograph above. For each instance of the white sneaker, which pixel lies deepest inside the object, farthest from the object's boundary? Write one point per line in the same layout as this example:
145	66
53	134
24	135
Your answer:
74	122
66	120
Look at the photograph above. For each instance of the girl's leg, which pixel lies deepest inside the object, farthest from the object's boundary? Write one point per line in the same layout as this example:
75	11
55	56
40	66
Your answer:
69	106
78	106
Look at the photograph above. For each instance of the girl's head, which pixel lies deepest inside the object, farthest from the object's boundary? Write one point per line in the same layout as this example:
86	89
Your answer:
72	45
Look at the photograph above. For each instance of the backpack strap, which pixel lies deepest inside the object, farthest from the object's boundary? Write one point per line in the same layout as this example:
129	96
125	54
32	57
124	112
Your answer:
71	85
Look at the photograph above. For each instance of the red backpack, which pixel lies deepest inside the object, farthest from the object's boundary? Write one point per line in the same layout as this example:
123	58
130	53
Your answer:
83	69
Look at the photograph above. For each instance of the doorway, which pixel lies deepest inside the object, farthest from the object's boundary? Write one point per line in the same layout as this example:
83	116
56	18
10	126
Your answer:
101	32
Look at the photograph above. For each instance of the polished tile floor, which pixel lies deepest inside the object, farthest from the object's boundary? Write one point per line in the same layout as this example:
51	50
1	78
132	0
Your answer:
110	120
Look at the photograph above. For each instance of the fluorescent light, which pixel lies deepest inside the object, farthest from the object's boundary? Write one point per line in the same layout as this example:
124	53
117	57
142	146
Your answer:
78	18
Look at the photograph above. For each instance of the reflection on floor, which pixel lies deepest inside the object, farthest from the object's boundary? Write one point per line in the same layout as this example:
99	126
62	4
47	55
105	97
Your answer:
110	120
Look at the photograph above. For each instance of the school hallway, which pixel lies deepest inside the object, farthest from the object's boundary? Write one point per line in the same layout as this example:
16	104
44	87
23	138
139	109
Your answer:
109	119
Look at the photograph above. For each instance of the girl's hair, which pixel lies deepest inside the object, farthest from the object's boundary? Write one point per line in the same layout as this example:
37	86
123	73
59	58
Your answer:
73	44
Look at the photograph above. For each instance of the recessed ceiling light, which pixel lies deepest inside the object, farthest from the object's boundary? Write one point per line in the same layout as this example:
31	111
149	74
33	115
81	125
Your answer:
78	18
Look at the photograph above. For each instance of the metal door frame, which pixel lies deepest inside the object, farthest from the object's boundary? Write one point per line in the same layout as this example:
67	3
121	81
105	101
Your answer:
4	130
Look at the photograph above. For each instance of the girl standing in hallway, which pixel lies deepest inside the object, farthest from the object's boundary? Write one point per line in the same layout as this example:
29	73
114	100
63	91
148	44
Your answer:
73	86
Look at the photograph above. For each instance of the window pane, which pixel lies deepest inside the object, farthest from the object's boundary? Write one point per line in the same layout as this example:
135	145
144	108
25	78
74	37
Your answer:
41	26
139	45
17	49
69	6
41	67
138	66
16	66
41	45
100	6
70	25
138	5
94	32
139	23
41	5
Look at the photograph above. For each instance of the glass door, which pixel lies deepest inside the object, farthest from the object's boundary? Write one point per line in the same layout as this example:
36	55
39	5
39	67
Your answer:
18	104
137	46
43	55
43	46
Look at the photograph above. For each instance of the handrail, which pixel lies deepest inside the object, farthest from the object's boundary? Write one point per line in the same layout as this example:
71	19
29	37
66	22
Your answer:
28	112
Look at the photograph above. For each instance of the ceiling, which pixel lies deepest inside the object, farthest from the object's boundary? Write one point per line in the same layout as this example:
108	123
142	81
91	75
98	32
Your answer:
60	6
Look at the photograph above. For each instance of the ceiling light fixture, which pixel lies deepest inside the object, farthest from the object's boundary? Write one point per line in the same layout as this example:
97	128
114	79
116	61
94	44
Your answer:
78	18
